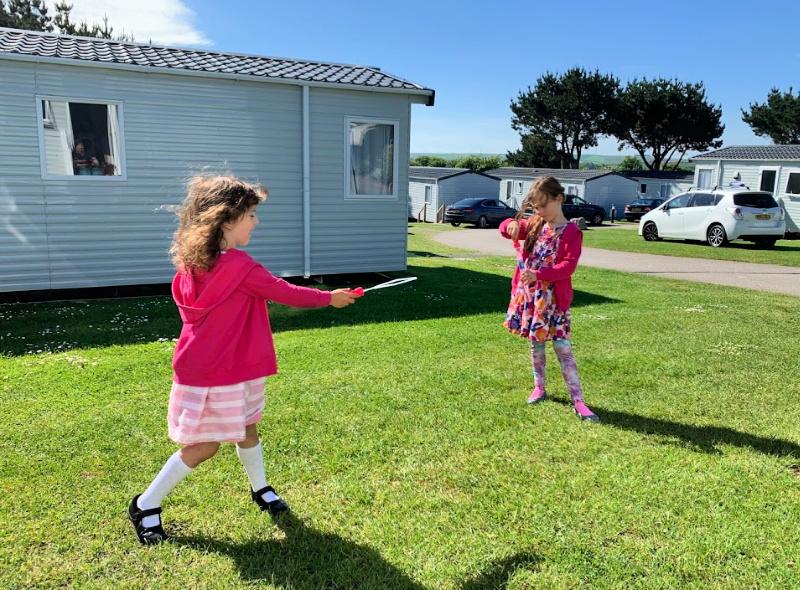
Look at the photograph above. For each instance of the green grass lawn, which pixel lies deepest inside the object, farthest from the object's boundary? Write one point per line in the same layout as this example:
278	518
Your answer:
785	252
397	430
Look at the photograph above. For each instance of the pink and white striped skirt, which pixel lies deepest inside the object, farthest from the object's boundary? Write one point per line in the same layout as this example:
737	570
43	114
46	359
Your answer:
214	414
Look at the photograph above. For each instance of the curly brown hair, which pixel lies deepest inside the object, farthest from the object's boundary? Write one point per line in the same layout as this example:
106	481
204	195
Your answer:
544	190
211	201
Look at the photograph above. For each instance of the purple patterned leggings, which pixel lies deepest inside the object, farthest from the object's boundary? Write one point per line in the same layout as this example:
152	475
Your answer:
569	369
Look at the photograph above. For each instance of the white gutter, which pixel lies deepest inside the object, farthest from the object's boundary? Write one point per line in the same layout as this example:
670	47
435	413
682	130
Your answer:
306	187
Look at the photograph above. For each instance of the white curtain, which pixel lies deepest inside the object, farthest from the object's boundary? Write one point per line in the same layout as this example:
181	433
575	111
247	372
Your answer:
113	137
372	158
68	128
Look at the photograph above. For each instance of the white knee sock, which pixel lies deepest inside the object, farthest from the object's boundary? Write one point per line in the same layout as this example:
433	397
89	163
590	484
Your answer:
253	461
173	472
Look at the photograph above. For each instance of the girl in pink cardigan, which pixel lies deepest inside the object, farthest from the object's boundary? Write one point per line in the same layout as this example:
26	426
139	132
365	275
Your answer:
225	349
541	289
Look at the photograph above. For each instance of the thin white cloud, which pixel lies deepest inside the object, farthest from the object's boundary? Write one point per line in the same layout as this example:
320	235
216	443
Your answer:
167	22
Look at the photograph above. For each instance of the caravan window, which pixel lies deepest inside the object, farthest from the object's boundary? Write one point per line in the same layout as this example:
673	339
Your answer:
371	162
80	138
793	184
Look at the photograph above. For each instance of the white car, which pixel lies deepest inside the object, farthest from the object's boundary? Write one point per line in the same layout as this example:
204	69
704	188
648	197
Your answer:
717	216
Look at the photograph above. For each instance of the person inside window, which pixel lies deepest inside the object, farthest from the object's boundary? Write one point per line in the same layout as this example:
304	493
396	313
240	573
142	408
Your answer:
84	161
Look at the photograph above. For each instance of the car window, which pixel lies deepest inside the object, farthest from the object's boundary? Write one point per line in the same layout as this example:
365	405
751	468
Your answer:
754	200
717	198
578	201
679	202
702	200
466	203
489	203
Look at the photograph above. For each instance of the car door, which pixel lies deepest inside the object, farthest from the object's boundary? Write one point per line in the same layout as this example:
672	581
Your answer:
568	207
583	209
490	210
670	219
695	217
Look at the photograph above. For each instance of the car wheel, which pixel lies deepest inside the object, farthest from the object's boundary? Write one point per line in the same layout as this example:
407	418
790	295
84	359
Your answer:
483	223
716	236
455	223
650	232
597	219
766	243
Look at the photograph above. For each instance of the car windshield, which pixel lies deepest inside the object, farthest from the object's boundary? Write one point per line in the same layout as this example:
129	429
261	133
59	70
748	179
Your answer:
754	200
467	203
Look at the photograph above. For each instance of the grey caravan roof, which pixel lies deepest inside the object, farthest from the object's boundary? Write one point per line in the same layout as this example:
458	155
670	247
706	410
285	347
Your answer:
435	174
109	53
752	152
660	174
531	173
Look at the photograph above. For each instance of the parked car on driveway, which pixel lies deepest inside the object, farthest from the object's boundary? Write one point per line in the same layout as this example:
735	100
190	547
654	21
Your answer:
717	217
635	210
575	206
481	212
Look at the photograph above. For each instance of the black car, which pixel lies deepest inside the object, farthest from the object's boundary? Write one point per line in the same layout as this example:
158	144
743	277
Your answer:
635	210
481	212
574	206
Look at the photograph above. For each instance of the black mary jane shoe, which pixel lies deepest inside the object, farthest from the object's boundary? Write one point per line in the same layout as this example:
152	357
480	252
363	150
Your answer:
148	535
275	507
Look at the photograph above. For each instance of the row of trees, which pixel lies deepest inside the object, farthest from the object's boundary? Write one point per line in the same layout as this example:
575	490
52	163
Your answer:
660	119
33	15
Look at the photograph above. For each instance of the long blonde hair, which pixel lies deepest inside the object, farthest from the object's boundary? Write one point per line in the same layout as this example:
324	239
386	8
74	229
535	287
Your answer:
544	190
211	201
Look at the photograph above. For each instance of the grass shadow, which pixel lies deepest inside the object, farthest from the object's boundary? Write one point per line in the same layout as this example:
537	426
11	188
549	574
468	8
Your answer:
444	292
701	438
501	573
307	559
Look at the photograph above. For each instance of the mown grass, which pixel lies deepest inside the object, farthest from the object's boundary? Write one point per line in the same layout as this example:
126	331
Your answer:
397	430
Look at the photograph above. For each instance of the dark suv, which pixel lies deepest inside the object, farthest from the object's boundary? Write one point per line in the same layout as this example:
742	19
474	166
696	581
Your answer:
575	206
481	212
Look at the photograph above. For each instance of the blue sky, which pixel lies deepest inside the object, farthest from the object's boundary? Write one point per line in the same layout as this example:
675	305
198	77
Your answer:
478	56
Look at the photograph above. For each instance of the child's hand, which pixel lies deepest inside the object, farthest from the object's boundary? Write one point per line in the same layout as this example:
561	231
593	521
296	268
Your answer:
528	276
512	229
342	298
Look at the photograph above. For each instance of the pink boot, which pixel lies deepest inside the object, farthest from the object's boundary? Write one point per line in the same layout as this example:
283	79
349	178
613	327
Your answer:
583	412
537	395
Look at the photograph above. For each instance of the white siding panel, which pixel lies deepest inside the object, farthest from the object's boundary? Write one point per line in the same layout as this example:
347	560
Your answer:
354	235
23	234
466	186
611	189
416	199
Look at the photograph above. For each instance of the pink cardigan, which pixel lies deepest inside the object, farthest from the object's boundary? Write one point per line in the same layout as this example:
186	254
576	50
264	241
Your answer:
569	251
226	336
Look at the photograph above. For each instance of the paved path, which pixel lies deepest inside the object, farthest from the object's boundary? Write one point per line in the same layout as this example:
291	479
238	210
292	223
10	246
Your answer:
762	277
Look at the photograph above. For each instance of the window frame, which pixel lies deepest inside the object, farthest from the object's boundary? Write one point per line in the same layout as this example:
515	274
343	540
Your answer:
428	196
711	171
785	191
776	170
348	120
121	177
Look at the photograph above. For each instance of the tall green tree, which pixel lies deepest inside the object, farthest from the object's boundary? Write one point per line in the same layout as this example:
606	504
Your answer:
571	110
30	15
479	163
434	161
536	152
629	164
778	118
662	119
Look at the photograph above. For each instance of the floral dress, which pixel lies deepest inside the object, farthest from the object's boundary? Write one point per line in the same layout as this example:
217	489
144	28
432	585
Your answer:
532	312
